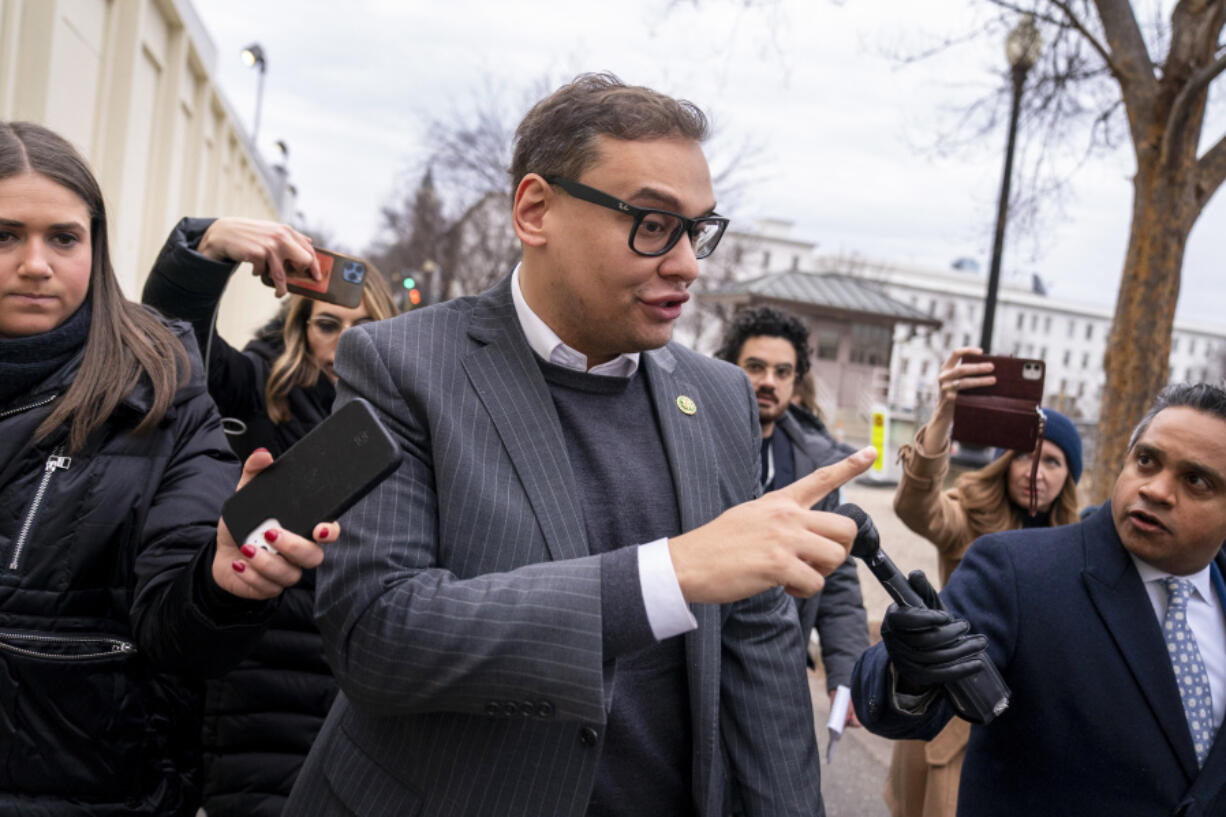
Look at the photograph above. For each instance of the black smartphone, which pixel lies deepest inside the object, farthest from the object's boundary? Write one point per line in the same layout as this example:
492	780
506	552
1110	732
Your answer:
317	479
341	284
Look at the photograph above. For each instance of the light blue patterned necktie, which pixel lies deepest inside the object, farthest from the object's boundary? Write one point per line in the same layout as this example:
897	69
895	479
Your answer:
1188	666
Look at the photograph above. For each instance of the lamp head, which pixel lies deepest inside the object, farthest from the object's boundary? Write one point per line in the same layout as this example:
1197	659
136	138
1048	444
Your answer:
1024	43
253	56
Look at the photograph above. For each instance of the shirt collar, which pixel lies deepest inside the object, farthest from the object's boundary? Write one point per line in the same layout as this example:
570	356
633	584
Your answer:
548	346
1201	580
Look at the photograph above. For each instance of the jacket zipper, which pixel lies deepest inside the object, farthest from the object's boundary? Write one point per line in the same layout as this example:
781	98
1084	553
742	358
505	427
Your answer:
56	462
20	409
113	645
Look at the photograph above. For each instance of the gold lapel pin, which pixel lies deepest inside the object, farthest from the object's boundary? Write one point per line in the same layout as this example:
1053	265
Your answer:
687	405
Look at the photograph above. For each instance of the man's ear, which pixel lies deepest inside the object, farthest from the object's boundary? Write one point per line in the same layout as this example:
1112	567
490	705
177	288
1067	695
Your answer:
533	198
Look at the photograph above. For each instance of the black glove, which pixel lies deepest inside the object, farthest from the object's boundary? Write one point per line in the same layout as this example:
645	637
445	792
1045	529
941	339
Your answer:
929	647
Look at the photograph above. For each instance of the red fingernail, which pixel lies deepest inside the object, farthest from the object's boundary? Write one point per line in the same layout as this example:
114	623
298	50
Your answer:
248	550
321	532
270	536
239	567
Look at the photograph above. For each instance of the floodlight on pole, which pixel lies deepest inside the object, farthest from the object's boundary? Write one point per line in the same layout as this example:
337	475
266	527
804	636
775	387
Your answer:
254	57
1022	47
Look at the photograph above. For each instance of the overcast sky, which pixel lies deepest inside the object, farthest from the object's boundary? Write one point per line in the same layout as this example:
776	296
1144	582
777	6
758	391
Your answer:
845	130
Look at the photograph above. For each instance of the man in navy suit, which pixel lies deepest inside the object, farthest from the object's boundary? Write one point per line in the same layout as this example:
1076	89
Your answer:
1085	624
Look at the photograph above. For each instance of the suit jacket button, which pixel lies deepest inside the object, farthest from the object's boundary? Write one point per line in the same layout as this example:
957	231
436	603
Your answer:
544	709
493	709
527	709
510	709
588	736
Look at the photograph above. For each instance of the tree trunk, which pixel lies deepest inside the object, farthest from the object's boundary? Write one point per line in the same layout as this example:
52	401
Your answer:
1138	348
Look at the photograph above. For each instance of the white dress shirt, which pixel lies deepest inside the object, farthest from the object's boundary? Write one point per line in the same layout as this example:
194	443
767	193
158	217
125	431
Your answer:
667	612
1205	618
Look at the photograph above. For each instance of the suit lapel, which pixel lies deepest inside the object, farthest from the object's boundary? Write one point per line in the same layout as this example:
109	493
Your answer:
1116	591
504	373
693	468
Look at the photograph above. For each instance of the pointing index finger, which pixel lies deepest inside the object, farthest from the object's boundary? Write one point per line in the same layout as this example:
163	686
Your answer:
808	491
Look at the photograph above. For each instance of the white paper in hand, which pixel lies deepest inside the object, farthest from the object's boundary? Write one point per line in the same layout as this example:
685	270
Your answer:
838	718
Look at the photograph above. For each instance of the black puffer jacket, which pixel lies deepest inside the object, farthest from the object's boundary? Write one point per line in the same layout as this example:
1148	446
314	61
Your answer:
109	617
261	718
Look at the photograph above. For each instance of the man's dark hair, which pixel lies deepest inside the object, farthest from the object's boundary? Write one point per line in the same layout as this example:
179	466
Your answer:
1200	396
558	136
765	321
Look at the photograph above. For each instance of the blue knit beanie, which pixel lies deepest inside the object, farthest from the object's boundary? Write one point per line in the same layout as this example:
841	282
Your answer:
1060	430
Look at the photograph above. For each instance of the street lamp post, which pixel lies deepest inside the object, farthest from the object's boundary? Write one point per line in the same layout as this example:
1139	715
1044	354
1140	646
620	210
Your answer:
1022	49
254	57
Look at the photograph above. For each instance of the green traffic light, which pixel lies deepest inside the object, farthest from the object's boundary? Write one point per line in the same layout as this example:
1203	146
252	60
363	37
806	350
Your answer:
409	283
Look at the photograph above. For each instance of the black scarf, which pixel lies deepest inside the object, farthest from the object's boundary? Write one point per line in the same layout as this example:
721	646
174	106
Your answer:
27	361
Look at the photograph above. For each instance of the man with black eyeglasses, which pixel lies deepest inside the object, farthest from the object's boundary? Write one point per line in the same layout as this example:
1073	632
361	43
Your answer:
566	601
772	347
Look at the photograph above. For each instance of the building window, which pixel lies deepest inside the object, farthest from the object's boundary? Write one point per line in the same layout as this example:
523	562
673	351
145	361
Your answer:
1072	327
924	368
1047	325
795	262
950	311
1021	320
1043	353
738	253
903	365
1034	323
1089	331
1192	347
870	345
1064	385
966	338
827	344
766	259
1085	360
948	340
1174	344
973	313
1068	354
932	307
1187	375
1081	389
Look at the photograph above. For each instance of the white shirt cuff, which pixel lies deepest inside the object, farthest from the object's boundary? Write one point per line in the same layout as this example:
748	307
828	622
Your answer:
667	612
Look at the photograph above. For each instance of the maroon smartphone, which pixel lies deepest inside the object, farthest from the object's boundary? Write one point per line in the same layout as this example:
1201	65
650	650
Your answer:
1005	414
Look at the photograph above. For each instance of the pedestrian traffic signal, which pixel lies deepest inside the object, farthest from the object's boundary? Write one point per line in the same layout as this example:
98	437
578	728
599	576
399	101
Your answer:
409	283
414	297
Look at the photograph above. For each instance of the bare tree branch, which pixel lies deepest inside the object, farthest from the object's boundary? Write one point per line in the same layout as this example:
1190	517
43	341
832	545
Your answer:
1133	66
1076	23
1194	86
1211	172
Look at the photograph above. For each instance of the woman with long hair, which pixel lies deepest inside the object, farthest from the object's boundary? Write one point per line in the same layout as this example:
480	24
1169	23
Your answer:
119	587
261	718
923	778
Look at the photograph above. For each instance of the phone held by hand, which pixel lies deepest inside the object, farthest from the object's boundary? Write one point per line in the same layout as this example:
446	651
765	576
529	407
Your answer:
320	477
341	281
1005	414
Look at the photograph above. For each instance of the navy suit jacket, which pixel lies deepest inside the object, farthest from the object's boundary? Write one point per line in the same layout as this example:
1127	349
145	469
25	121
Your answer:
1095	723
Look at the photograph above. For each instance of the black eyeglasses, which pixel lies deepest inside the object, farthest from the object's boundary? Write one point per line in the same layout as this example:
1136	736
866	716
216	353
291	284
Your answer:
660	229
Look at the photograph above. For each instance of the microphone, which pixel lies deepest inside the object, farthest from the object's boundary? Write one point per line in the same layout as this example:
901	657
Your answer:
979	697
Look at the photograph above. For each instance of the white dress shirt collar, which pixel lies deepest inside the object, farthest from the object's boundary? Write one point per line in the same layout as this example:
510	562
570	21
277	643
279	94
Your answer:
548	346
1202	583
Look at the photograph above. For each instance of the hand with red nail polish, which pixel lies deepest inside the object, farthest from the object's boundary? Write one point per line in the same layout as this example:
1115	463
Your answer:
256	573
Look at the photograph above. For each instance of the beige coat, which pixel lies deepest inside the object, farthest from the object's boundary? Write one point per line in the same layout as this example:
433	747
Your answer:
923	779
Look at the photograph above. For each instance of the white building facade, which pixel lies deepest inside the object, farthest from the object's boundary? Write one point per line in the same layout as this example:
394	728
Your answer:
1070	337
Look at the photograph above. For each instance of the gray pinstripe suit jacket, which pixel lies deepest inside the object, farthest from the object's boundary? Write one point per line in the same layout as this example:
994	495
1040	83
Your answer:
461	609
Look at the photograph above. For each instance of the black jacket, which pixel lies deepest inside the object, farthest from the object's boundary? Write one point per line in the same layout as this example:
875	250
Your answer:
185	284
261	718
109	616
